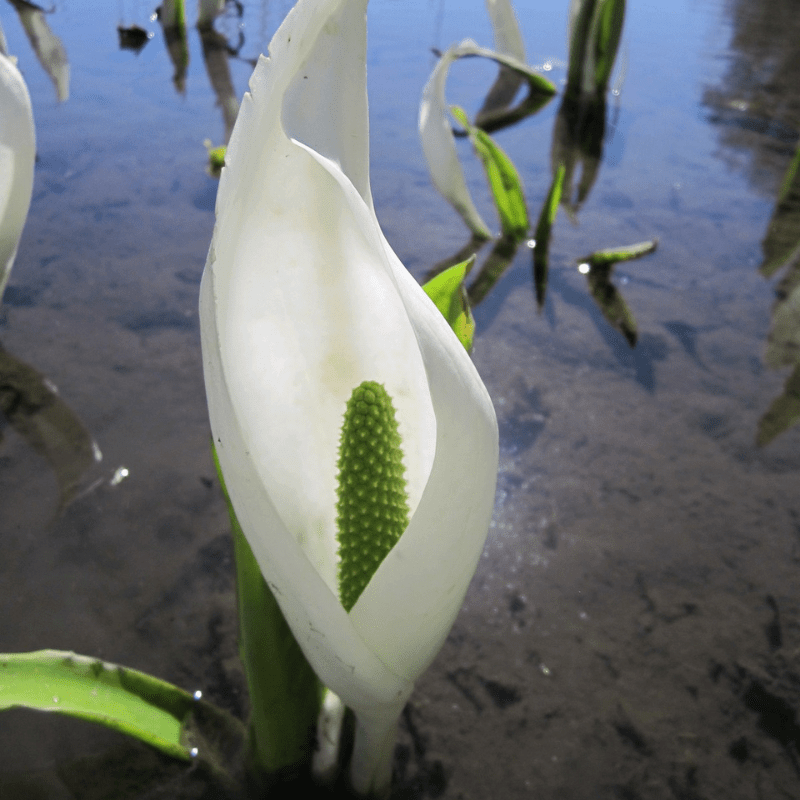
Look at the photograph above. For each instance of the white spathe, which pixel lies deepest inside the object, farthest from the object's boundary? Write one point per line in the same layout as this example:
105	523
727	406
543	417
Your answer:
17	155
303	299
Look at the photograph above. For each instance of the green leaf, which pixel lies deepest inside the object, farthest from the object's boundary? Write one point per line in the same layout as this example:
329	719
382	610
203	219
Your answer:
449	295
503	178
120	698
544	227
216	158
607	258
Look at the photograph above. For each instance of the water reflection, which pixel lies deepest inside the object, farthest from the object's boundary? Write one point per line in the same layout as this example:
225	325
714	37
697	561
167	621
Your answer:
45	44
576	151
172	17
756	109
216	55
133	37
781	248
30	404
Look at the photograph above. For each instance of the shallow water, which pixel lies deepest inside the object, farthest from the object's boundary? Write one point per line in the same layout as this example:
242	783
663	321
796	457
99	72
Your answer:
633	629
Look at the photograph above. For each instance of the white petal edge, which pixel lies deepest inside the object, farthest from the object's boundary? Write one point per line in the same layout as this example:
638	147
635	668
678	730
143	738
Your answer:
408	608
17	155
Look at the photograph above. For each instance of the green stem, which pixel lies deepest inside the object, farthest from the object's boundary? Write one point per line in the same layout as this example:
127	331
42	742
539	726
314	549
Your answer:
285	694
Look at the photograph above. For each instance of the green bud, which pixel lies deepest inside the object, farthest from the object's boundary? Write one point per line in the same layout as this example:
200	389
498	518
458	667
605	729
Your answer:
373	504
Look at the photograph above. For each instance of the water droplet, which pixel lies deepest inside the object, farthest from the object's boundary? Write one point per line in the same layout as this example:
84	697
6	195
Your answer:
584	268
197	695
55	699
194	752
119	475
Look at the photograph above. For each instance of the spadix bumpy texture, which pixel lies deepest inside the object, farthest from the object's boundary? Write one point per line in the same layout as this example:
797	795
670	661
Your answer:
373	505
302	301
17	154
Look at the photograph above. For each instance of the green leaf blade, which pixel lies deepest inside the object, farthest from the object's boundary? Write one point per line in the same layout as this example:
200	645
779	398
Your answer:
450	297
125	700
504	180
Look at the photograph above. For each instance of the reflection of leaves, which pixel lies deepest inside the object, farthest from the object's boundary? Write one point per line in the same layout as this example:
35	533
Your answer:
611	303
781	244
783	345
467	251
578	137
599	267
503	179
47	46
542	237
595	30
46	423
784	411
495	112
133	38
781	248
448	294
493	268
216	54
172	16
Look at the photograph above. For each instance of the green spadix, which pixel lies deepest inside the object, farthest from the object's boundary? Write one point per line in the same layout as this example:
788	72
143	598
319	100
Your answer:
373	504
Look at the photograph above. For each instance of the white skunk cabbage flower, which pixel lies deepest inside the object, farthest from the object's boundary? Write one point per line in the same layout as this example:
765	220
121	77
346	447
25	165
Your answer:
17	154
302	302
